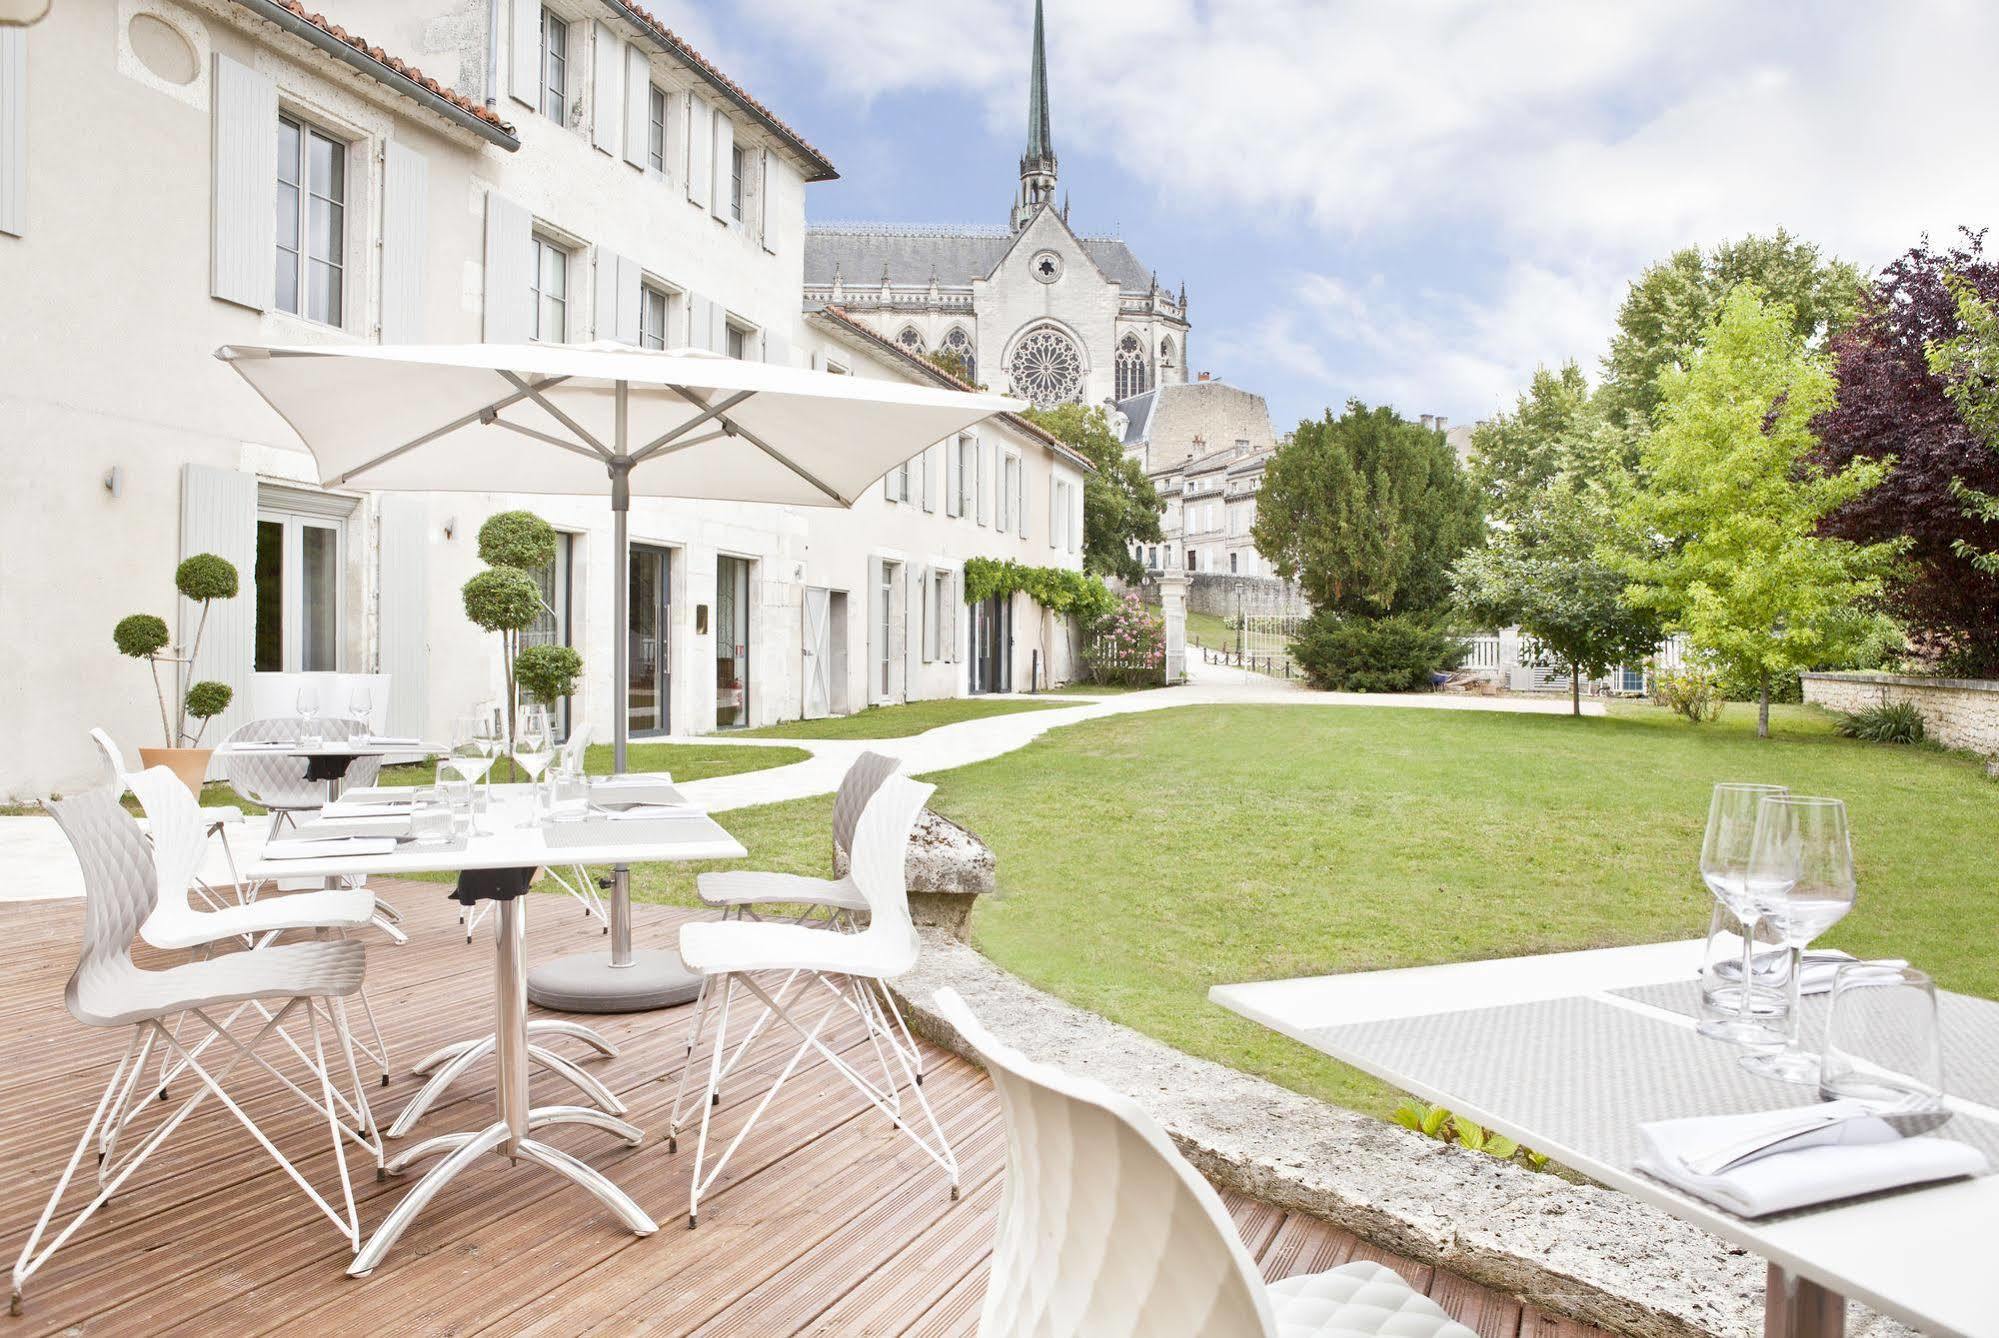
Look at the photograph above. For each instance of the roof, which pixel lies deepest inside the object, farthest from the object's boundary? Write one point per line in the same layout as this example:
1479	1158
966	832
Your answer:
822	167
911	253
400	72
1137	413
842	318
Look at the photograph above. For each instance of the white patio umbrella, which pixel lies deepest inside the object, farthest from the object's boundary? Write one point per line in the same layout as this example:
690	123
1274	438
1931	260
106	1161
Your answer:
587	419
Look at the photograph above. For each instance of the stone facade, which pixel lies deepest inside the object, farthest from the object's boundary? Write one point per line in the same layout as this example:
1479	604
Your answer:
1204	445
1225	596
1957	712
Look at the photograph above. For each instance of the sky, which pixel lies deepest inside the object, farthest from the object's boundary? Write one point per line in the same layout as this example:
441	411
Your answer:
1414	202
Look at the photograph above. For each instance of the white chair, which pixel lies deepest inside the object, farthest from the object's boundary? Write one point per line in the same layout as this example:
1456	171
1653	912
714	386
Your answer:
1105	1228
114	757
732	953
749	892
277	781
180	845
109	990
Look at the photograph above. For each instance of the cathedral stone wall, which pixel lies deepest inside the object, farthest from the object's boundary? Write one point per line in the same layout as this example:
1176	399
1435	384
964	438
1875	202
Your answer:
1080	302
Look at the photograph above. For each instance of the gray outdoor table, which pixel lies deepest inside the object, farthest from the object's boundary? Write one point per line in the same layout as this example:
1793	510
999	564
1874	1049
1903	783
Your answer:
1568	1053
510	841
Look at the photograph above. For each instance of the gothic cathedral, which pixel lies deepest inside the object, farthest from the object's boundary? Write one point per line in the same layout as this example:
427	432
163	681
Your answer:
1030	308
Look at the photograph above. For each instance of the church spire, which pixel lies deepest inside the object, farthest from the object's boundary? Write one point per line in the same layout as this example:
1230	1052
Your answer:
1037	165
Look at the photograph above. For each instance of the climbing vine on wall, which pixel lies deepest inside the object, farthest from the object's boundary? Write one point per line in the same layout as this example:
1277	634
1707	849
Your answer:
1054	588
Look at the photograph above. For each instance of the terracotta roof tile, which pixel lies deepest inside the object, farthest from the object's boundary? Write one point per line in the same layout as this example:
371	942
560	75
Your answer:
826	170
406	70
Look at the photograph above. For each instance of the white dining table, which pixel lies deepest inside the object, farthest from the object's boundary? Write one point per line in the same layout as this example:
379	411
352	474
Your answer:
505	836
1568	1053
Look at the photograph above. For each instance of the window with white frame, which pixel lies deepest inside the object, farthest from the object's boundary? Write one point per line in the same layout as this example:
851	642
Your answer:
654	306
739	341
1009	498
554	68
1062	523
968	475
300	564
902	482
738	161
656	128
311	221
550	280
934	612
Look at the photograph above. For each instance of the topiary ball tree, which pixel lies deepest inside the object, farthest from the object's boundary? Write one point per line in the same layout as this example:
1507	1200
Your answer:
140	635
548	673
203	578
518	539
504	600
208	699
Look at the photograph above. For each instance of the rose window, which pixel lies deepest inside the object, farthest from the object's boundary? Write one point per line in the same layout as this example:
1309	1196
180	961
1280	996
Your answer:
1047	369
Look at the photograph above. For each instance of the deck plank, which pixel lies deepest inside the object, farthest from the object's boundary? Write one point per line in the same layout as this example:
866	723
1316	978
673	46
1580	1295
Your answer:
828	1222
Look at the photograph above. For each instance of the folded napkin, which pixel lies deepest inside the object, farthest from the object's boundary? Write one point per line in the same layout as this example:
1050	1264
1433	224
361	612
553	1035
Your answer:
377	808
1850	1152
328	847
1820	966
651	812
631	778
391	740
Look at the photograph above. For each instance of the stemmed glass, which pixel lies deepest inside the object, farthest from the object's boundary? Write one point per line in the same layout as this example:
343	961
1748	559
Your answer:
1731	831
308	715
361	706
1800	879
533	744
469	756
490	736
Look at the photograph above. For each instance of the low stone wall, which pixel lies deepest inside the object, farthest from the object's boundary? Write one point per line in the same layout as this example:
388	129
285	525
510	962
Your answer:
1224	596
1957	712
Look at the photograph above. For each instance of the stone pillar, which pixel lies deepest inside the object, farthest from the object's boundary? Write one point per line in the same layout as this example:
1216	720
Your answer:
1173	604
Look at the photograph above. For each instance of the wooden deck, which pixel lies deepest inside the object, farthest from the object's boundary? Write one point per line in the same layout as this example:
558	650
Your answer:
828	1221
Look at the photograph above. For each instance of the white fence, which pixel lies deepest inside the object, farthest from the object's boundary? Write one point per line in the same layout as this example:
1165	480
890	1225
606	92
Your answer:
1517	661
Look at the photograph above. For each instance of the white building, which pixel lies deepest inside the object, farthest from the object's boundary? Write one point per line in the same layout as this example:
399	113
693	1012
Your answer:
176	176
1203	444
1029	308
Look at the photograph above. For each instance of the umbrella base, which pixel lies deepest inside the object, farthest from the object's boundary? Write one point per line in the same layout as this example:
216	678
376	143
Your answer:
588	983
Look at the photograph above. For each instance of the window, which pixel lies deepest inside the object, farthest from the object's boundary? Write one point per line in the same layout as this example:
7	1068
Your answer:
1009	497
312	221
550	320
935	610
653	305
959	345
1133	376
737	155
968	475
656	128
1062	525
909	341
902	482
891	576
1047	368
739	342
552	627
1232	558
298	579
554	68
1190	559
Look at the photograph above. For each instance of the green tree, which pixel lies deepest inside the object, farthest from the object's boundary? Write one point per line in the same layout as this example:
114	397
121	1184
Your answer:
1120	505
1366	512
1723	536
1549	472
1671	306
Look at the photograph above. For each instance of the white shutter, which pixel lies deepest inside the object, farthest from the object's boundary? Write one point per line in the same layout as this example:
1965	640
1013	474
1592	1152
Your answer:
524	80
14	131
1076	517
926	632
638	106
874	637
605	294
763	202
218	514
777	348
243	244
700	150
930	478
818	361
1054	508
719	198
955	599
1020	505
403	608
631	298
405	232
981	489
718	327
951	477
509	265
606	105
701	315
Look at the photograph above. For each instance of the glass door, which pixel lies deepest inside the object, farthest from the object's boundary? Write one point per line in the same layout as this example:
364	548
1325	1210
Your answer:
552	627
992	645
732	643
648	640
298	587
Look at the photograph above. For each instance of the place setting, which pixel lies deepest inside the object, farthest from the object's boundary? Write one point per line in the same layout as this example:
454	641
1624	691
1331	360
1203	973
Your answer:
1781	869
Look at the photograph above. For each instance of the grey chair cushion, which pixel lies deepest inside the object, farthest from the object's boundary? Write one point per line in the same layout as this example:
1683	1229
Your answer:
1358	1300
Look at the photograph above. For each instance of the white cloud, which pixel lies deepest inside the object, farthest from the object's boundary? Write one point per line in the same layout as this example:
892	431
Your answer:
1574	139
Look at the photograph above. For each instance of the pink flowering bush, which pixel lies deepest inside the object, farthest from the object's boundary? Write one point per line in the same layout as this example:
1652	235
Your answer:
1128	645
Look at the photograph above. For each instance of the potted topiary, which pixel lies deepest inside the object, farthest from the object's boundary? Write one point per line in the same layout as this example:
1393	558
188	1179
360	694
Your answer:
506	599
203	578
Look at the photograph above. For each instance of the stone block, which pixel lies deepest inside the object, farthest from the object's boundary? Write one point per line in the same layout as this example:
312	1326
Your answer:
948	868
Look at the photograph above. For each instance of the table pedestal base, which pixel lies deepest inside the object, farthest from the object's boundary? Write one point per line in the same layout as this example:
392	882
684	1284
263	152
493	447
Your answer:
455	1058
1795	1307
589	983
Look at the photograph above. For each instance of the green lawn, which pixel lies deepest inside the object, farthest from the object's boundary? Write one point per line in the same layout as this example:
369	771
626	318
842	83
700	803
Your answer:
897	722
1210	629
1296	841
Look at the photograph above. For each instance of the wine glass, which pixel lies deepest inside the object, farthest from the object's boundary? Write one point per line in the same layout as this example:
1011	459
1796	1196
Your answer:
308	714
534	743
1800	879
361	707
1731	830
468	756
490	736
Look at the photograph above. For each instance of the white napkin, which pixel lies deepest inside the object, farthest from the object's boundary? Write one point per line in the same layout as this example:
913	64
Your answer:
328	847
631	778
1858	1153
647	812
1821	965
391	740
385	808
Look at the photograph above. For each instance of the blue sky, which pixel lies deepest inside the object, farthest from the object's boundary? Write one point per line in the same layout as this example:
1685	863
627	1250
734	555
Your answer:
1413	202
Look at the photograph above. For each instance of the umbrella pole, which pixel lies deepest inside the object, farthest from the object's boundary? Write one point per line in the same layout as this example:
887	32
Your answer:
622	980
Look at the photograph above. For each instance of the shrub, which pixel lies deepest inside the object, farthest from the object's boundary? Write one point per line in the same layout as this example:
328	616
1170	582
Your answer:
548	673
1691	691
1398	653
502	599
1127	646
204	577
139	635
518	539
208	699
201	579
1891	722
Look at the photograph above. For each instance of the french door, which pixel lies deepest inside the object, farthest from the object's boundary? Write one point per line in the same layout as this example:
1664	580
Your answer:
299	580
732	642
648	640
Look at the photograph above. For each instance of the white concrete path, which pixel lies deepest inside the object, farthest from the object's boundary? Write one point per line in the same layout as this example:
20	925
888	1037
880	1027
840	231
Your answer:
36	862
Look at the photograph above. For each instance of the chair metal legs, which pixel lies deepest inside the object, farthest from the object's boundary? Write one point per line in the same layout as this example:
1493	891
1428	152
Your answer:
857	996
